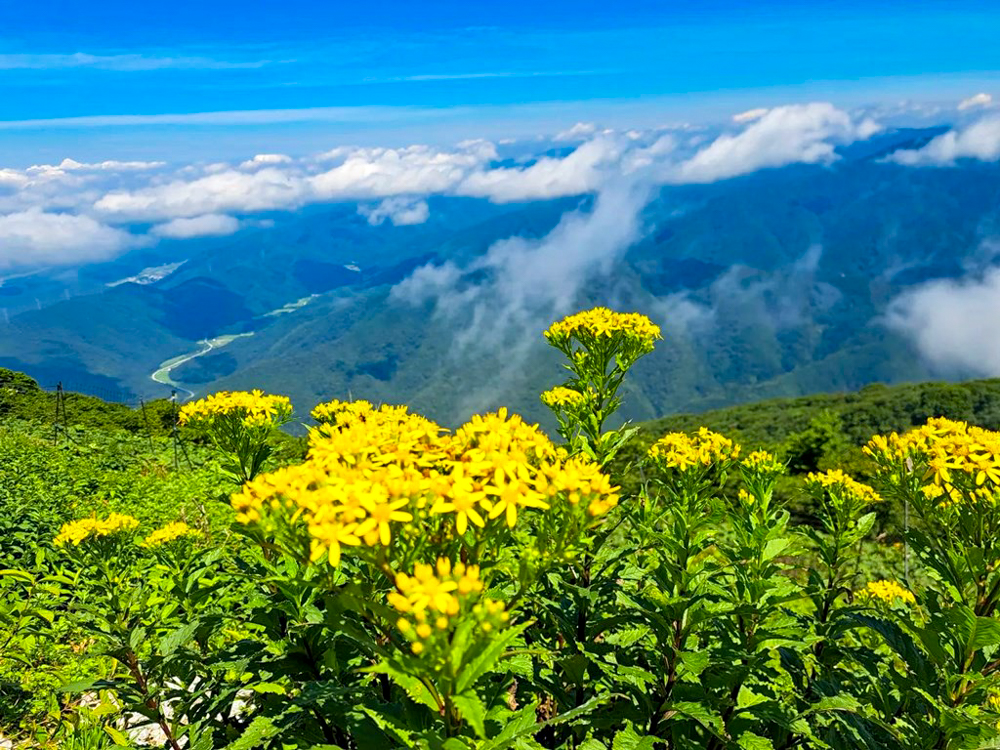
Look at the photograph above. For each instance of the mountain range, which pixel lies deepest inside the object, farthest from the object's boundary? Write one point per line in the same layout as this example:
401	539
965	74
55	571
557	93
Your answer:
782	282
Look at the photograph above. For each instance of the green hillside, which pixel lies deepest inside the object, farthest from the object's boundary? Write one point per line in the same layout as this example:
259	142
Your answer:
874	409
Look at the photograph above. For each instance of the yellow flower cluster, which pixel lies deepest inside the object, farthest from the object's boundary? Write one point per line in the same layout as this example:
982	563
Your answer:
169	533
377	469
347	412
677	450
604	323
763	462
951	452
254	408
79	531
838	483
563	397
887	592
434	597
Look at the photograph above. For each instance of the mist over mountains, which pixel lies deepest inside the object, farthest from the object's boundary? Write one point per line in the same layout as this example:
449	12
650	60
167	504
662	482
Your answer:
809	251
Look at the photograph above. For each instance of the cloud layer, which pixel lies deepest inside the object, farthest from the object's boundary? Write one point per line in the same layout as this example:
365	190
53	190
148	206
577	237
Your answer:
35	238
392	184
952	322
979	140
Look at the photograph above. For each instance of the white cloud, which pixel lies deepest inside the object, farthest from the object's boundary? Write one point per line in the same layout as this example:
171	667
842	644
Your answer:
34	238
784	135
399	211
231	190
980	140
261	160
111	166
523	284
579	132
868	127
12	178
415	170
750	115
952	322
974	102
207	225
532	280
583	171
393	183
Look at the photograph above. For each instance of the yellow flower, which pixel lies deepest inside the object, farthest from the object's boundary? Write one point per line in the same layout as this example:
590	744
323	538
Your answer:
601	323
511	492
423	590
460	496
677	450
330	536
558	397
958	457
379	516
763	462
437	598
167	534
373	469
79	531
887	592
843	486
254	408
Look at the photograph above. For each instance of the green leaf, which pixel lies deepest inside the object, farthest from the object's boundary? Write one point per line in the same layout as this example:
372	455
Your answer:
18	574
692	664
261	729
748	698
700	713
117	736
472	711
413	687
629	739
523	723
751	741
986	633
487	658
775	547
900	642
174	640
83	686
392	726
269	687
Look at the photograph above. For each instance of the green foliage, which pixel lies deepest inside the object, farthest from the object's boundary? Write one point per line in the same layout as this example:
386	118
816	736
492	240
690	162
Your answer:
696	614
22	398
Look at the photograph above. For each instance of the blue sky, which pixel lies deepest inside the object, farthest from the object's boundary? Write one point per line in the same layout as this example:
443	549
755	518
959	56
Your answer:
211	79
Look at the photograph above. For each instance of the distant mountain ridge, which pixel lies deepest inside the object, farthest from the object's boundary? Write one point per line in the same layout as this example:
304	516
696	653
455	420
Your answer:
767	285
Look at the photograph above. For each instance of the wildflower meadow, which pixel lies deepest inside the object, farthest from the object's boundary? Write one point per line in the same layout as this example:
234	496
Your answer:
492	587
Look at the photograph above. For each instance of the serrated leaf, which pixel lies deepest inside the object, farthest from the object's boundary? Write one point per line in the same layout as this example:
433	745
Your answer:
413	687
747	698
751	741
174	640
703	715
526	724
629	739
472	710
117	736
487	658
261	729
392	726
268	687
